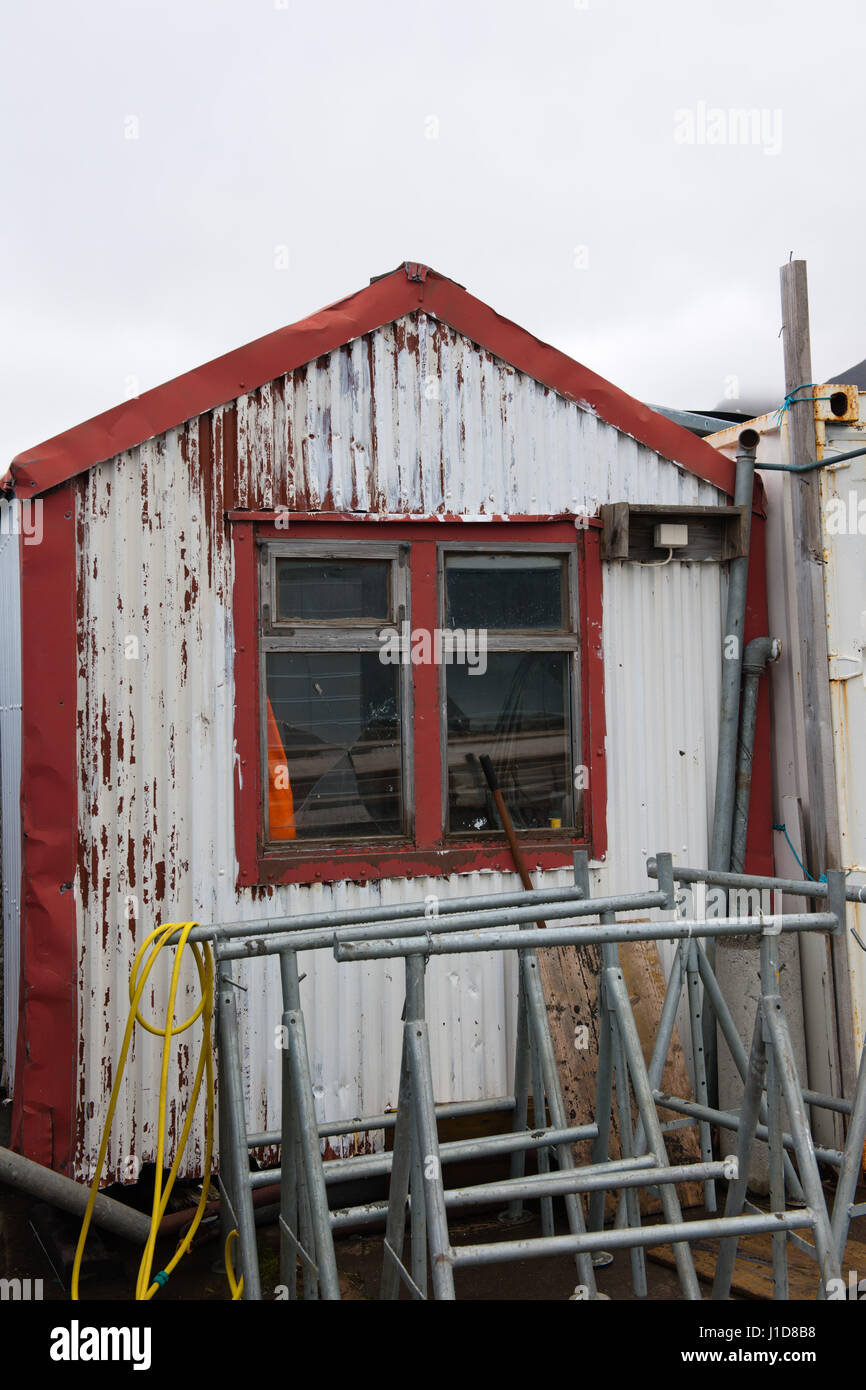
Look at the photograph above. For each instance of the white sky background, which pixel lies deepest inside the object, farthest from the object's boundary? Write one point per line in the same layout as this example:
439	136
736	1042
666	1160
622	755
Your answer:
307	124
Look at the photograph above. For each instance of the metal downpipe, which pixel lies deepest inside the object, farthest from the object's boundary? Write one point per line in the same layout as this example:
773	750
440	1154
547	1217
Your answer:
729	717
758	654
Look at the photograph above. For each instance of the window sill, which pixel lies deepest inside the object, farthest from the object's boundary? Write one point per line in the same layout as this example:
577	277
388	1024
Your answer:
332	864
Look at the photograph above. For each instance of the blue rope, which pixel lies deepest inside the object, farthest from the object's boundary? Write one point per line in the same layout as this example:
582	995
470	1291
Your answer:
784	830
823	878
793	399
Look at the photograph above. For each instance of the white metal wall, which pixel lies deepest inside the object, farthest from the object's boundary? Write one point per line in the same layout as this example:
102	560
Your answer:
156	745
417	419
845	591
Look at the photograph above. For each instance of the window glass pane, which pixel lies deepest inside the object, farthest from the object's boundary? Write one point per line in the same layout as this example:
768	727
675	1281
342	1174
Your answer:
518	714
505	591
325	590
333	746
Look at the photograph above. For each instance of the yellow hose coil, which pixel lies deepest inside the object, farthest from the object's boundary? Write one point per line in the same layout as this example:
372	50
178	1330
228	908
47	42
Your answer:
145	959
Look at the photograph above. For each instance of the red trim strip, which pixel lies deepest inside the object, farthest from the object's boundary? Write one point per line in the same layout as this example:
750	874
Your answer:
408	519
760	850
334	866
389	298
45	1073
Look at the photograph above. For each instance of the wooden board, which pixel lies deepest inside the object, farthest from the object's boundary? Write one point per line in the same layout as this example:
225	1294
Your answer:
569	978
753	1270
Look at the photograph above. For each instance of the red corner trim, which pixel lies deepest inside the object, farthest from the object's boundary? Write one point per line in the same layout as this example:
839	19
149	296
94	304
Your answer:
45	1073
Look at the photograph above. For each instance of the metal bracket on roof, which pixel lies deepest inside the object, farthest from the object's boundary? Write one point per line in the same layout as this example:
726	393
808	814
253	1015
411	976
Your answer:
415	271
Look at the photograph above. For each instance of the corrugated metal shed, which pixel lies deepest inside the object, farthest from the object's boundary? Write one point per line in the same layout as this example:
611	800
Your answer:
412	418
160	827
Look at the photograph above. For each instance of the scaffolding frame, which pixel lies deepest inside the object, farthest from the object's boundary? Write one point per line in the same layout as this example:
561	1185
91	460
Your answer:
417	1193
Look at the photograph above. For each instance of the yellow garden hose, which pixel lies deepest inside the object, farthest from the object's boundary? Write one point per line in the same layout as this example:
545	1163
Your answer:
236	1286
145	959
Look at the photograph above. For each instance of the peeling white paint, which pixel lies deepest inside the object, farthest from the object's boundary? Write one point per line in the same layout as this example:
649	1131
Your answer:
360	431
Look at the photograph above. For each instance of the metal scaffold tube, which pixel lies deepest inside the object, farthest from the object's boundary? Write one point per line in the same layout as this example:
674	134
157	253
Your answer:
418	1204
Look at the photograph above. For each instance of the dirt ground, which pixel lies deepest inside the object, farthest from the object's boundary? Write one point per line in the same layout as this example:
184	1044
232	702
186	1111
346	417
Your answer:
110	1271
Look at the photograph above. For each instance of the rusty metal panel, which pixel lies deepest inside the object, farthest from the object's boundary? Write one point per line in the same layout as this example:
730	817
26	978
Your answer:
416	419
10	773
411	420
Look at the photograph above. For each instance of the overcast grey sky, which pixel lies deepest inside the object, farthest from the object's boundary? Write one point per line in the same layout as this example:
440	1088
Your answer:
183	177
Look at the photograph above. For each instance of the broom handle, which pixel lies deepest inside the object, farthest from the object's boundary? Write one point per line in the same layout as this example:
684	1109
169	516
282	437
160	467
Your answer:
507	825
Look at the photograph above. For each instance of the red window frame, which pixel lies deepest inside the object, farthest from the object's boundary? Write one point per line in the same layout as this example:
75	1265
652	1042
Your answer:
431	853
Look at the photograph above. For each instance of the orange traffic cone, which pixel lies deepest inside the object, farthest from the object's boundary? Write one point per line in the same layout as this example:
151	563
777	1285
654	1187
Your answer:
281	807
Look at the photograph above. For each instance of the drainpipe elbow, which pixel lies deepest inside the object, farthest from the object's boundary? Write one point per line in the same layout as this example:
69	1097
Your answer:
758	653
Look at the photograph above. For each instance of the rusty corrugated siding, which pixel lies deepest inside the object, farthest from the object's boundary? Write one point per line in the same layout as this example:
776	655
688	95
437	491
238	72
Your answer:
411	419
375	427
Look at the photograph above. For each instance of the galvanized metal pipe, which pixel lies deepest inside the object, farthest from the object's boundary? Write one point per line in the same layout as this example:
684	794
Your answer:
828	1260
629	1208
666	1234
329	1284
759	652
235	1158
777	1177
441	1254
456	1150
539	1115
796	888
363	1124
616	1173
732	660
463	922
664	1033
522	1070
690	952
736	1194
664	872
371	1212
398	1188
453	943
824	1102
27	1176
730	1119
383	912
852	1162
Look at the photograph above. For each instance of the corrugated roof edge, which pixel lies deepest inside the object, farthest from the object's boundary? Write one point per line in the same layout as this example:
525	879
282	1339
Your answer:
401	292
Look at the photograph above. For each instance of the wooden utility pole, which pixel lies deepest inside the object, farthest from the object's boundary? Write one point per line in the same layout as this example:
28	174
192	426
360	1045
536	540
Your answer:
821	812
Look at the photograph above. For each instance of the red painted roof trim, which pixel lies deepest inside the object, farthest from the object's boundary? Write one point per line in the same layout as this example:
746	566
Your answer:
402	292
